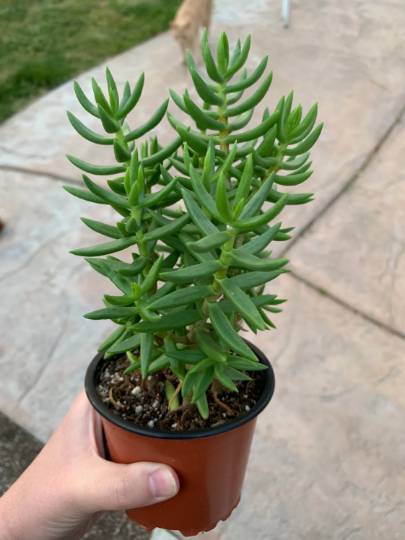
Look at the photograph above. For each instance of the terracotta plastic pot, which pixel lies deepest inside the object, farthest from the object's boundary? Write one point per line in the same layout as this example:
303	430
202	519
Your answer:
211	463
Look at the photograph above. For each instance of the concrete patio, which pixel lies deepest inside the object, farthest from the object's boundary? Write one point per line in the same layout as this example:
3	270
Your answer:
328	456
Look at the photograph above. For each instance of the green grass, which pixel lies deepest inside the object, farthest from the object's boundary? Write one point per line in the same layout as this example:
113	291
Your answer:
44	43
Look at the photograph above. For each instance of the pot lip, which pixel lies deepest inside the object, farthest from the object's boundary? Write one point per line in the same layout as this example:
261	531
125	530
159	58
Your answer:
244	418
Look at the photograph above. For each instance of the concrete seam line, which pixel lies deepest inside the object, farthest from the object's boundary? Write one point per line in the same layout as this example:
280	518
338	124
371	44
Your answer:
341	303
347	185
41	173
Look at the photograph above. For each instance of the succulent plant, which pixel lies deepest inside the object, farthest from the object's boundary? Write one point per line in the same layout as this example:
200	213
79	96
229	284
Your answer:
199	271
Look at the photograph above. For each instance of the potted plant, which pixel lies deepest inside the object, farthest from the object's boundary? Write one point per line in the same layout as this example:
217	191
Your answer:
175	382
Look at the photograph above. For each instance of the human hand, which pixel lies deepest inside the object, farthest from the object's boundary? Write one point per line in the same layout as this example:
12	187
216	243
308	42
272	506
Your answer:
65	490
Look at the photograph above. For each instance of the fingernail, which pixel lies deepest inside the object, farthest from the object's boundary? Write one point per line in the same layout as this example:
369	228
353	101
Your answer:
162	484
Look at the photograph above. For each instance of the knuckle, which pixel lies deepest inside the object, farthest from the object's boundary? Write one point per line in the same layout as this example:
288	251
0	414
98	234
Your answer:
121	491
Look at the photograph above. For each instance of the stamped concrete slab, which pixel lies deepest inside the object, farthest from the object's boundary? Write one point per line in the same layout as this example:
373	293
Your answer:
328	453
45	343
356	251
346	55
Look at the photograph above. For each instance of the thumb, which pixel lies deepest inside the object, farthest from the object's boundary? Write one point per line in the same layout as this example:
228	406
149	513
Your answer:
112	486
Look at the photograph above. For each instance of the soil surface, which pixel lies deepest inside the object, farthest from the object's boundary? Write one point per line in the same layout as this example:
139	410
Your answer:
146	404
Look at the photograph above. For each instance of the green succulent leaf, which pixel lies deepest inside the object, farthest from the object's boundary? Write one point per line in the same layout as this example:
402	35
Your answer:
178	101
203	90
235	54
125	96
193	140
242	303
163	154
211	67
192	356
254	100
112	338
82	194
102	228
292	179
210	242
152	276
192	273
242	363
146	353
133	269
100	98
170	391
189	381
129	344
249	81
171	228
123	301
305	145
182	297
245	182
200	117
121	155
149	125
204	197
108	123
87	133
107	196
257	221
260	242
180	319
236	375
197	215
266	146
131	102
95	169
202	406
222	202
202	384
255	279
303	198
255	133
84	101
111	313
209	346
224	379
227	333
240	60
222	53
259	301
258	199
151	200
251	262
160	363
241	121
107	248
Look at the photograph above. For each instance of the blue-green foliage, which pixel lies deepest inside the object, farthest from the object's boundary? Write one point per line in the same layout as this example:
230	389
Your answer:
192	283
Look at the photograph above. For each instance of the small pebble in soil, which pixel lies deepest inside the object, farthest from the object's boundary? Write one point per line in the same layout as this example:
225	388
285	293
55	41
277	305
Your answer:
149	407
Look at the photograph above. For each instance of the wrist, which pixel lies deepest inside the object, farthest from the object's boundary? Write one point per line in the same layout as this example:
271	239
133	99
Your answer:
7	530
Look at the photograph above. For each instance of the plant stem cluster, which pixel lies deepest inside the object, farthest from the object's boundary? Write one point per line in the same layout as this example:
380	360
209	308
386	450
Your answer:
197	211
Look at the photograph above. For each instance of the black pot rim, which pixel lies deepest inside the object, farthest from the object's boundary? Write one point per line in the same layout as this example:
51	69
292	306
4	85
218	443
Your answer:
105	412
